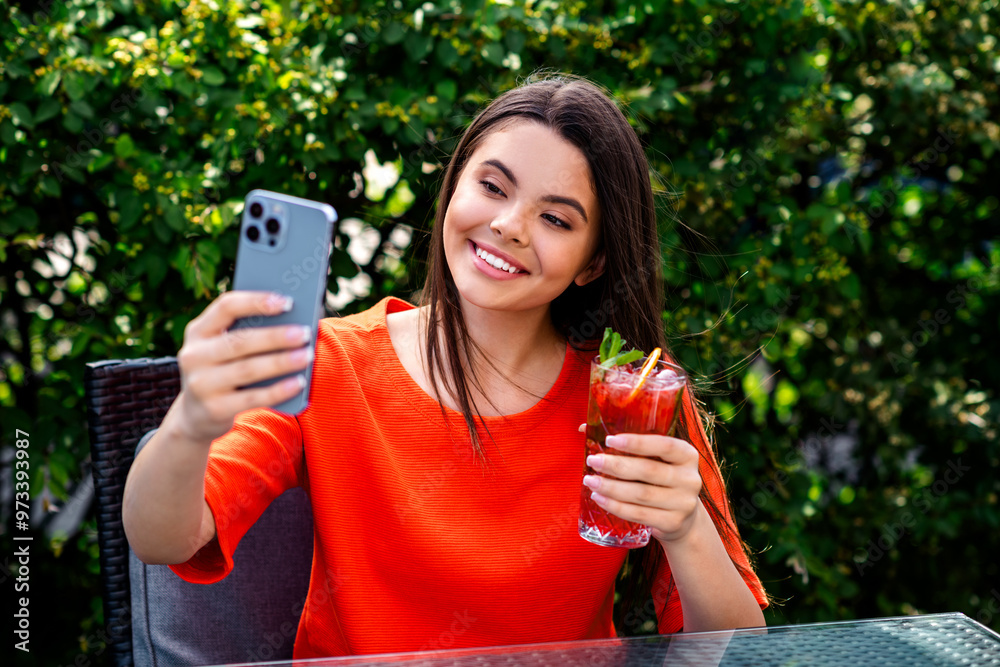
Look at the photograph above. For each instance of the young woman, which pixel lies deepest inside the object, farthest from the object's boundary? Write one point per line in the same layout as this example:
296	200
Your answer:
441	448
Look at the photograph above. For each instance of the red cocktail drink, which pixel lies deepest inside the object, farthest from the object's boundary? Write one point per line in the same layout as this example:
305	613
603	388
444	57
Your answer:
615	407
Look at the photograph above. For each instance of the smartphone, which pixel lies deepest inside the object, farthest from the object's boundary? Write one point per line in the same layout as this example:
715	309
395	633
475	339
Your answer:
284	247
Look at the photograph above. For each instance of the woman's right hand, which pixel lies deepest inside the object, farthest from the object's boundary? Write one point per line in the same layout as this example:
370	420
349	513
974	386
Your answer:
214	361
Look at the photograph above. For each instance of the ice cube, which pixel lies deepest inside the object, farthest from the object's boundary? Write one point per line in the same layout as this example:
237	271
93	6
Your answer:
666	378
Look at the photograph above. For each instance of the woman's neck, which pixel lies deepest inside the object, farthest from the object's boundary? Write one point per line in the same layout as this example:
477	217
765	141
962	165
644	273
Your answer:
515	341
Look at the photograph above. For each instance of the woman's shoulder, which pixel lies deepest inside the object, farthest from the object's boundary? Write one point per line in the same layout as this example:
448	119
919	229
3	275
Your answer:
367	321
358	337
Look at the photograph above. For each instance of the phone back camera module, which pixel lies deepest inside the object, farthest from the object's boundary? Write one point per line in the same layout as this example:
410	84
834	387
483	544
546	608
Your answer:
265	224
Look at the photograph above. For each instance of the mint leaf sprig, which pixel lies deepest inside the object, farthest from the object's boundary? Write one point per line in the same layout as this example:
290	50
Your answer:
610	351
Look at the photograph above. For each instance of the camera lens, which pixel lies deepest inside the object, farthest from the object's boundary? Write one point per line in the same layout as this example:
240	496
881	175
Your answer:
253	233
272	226
256	210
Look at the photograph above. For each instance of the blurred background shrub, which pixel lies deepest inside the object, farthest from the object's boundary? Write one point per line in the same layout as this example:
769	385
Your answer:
830	227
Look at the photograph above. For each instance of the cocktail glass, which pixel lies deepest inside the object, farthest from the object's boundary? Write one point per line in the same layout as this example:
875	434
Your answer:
615	407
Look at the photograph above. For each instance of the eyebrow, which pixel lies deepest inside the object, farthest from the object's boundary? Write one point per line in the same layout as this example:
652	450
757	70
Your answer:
551	199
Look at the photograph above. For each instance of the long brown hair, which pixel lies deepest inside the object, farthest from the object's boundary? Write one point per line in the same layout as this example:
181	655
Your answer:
627	297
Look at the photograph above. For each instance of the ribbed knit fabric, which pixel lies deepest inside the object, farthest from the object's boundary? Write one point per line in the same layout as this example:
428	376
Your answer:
418	545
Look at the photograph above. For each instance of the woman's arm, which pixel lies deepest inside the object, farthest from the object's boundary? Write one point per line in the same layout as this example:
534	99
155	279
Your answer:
713	594
166	517
662	491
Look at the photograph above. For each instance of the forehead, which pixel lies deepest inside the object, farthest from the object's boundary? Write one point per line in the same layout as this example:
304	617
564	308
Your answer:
548	161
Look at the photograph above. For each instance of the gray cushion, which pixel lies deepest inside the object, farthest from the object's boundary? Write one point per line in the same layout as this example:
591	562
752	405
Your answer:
250	616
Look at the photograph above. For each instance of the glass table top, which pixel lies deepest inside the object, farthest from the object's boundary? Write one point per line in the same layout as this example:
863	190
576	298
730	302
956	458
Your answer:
910	641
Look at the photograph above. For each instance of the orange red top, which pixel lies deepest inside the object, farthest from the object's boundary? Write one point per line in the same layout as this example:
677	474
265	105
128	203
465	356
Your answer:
418	546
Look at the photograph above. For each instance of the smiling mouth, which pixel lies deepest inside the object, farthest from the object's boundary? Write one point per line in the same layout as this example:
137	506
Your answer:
496	262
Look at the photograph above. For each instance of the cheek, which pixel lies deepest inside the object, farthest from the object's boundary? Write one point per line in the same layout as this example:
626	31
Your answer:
462	214
562	258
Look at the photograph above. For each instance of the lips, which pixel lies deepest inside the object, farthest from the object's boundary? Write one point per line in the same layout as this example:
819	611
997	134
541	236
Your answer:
491	254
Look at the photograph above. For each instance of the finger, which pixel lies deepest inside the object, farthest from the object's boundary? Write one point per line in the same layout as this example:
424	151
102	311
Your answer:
672	508
249	399
638	469
241	344
671	450
225	378
231	306
643	492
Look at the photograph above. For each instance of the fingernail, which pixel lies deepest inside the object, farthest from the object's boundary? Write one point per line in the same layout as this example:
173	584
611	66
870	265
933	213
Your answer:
280	302
615	441
596	461
299	334
592	481
598	498
302	355
297	382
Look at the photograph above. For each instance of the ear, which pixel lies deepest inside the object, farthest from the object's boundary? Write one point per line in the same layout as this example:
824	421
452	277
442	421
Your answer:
593	270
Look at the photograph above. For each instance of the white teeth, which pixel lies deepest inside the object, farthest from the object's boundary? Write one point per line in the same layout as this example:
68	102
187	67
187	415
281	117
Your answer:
495	261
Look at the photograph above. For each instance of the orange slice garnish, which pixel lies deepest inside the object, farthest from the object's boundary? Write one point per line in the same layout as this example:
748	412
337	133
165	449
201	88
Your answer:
647	368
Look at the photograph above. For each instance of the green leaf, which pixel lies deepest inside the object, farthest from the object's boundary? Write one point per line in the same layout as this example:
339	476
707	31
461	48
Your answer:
207	259
124	147
418	45
628	357
212	76
514	40
24	218
31	163
605	349
610	350
50	186
47	84
155	267
446	90
22	115
446	53
73	123
850	287
394	33
7	132
74	86
129	209
493	54
174	217
100	162
47	109
183	84
82	109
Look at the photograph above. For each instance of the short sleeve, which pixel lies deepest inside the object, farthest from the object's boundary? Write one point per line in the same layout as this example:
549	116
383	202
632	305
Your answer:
248	467
665	593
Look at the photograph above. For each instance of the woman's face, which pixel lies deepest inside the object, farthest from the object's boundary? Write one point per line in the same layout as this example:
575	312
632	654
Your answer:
524	198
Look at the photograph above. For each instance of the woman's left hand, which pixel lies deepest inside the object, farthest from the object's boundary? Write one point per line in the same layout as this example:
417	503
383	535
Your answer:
658	487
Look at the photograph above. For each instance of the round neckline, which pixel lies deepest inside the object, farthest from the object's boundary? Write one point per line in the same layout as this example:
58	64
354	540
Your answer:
429	406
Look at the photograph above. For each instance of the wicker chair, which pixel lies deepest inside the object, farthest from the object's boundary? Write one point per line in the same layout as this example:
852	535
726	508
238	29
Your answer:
153	617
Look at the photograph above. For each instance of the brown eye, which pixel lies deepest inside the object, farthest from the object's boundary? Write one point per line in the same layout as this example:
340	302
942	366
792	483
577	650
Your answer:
555	221
493	189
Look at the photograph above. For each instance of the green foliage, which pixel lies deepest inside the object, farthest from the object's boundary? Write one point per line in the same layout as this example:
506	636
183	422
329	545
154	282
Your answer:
831	254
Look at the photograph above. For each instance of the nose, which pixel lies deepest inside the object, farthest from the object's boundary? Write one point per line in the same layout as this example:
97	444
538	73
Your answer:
511	226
